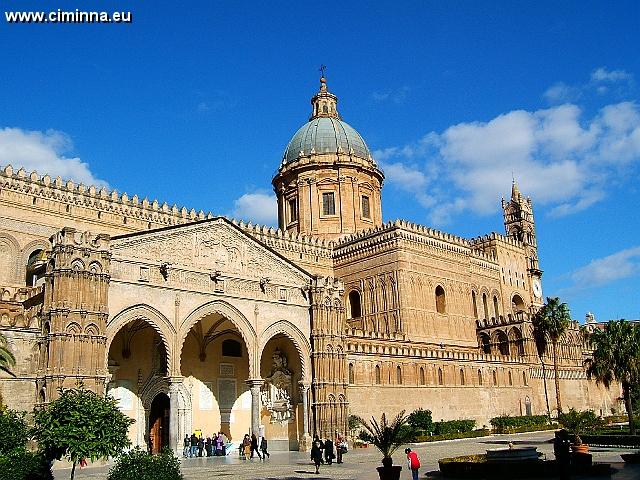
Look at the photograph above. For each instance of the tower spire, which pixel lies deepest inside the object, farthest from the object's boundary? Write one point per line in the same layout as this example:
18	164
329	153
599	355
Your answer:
324	103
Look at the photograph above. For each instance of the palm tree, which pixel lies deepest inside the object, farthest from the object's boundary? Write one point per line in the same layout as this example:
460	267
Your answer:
551	321
6	357
386	437
616	357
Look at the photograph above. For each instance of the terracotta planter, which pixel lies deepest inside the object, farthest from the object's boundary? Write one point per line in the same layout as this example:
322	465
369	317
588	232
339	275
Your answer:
582	448
389	473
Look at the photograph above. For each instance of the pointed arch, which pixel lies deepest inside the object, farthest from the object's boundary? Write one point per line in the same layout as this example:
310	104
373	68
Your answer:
299	340
150	315
232	314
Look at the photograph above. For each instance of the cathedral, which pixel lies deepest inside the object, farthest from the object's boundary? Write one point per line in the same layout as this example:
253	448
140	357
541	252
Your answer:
195	322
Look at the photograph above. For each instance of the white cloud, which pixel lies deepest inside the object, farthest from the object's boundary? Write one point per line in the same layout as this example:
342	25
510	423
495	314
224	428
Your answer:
257	207
603	75
623	264
45	153
561	92
557	156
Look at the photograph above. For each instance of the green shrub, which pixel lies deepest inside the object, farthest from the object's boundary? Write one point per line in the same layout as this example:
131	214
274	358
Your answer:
14	432
509	424
453	436
421	420
453	426
140	465
579	422
23	465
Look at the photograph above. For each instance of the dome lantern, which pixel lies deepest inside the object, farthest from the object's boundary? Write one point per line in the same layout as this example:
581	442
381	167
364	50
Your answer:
324	103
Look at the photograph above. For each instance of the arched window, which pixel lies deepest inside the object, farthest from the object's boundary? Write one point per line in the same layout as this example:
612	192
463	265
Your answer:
510	378
503	342
399	375
479	377
355	308
378	376
231	348
495	377
495	307
36	266
484	305
440	377
422	379
524	378
517	304
351	375
441	305
475	304
461	376
485	342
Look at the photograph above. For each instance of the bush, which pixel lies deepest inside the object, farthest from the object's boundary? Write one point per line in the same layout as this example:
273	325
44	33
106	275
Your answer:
453	426
509	424
14	432
23	465
140	465
453	436
421	420
579	422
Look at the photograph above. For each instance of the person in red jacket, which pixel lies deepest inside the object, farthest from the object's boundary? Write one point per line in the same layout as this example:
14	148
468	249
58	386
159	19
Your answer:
414	462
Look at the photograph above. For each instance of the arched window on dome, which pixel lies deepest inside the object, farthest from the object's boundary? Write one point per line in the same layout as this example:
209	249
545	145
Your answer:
461	376
325	108
399	375
440	377
479	377
510	378
441	304
355	306
378	375
422	378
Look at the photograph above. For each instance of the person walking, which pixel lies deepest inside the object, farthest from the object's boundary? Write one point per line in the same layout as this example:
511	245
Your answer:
246	446
413	462
263	448
316	453
328	451
320	446
341	448
187	446
254	446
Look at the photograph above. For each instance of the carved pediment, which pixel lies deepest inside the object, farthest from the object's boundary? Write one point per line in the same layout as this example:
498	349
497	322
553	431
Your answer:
215	245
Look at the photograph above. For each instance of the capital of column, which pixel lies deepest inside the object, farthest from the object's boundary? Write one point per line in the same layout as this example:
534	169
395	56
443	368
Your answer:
175	382
304	387
255	383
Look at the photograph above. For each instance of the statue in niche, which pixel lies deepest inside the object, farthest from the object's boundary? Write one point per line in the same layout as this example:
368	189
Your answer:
276	391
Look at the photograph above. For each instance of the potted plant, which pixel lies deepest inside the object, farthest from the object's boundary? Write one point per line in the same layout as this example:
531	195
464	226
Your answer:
578	423
387	437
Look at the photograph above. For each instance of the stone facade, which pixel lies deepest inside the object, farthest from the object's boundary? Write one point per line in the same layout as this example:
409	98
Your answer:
196	322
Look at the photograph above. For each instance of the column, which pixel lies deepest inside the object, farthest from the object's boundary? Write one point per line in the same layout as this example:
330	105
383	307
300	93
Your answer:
254	387
305	441
174	415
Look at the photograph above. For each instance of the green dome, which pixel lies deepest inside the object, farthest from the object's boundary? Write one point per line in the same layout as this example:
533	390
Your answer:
326	135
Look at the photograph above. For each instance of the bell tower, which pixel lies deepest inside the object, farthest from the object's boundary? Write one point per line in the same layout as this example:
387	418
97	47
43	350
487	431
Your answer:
520	225
328	184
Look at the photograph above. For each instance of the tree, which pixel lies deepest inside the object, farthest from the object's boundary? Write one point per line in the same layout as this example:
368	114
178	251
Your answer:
552	321
421	420
81	424
386	437
7	359
616	357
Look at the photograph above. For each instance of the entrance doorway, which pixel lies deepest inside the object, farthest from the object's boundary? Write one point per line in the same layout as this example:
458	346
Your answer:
159	423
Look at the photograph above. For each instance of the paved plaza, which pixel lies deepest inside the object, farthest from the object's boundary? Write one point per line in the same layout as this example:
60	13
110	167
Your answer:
360	463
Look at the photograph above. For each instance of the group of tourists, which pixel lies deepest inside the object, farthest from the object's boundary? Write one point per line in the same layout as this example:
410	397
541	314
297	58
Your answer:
253	445
198	446
323	451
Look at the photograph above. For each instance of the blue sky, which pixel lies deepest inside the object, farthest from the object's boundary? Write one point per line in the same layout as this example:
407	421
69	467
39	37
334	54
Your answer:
194	103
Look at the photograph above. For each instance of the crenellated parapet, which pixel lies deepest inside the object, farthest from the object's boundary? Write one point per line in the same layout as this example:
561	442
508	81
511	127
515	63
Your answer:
95	204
